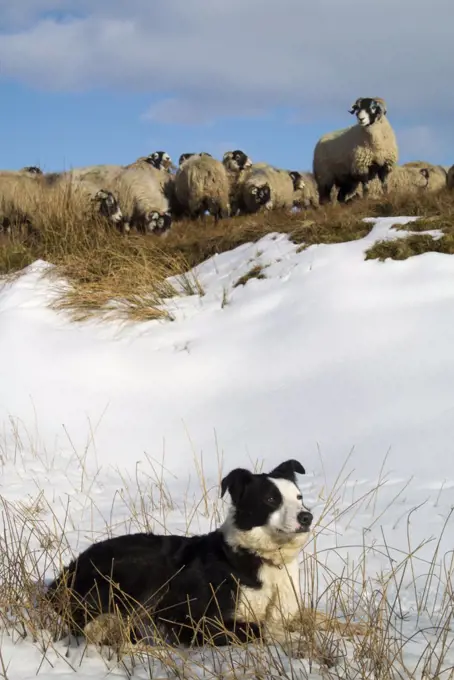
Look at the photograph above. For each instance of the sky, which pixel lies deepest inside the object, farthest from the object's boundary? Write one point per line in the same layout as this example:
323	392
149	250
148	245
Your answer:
106	81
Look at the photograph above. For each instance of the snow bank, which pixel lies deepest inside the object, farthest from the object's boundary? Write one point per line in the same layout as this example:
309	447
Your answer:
329	358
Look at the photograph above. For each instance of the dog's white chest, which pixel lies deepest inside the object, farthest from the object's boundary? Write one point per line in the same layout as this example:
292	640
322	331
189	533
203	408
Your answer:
278	596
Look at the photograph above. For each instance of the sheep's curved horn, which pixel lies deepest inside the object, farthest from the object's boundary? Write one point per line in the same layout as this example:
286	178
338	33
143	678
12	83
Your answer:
356	105
382	104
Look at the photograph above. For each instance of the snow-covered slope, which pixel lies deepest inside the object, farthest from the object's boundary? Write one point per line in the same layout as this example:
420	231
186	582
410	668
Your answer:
331	359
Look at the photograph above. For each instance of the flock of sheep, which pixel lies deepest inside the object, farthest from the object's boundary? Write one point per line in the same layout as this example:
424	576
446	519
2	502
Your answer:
151	192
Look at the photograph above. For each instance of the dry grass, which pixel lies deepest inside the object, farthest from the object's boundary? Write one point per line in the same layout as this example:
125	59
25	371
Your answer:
33	542
255	272
126	276
436	213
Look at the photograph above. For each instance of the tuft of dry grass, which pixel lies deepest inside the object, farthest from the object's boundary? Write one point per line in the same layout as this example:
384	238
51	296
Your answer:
414	244
255	272
117	276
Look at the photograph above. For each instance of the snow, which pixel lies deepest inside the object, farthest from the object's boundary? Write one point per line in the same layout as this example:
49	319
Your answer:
342	363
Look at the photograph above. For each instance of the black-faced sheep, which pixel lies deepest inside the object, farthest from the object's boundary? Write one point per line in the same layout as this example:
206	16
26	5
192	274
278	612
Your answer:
356	155
143	202
202	184
307	195
264	187
437	174
26	196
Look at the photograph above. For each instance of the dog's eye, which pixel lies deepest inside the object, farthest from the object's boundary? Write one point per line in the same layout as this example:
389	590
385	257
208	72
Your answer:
271	499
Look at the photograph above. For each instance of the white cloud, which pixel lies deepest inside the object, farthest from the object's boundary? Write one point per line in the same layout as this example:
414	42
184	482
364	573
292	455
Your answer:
208	58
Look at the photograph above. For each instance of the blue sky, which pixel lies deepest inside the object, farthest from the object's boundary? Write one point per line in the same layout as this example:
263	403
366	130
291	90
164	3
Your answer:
106	81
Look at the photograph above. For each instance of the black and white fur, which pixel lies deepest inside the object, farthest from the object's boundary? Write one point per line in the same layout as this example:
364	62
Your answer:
260	196
234	582
158	223
160	160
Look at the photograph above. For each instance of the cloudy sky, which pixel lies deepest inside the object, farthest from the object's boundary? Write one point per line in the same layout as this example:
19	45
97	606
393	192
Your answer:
106	81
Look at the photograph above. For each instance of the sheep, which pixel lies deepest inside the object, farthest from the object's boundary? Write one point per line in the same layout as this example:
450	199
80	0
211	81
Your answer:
149	214
160	160
236	164
24	197
142	200
30	170
450	181
236	161
266	187
401	180
437	174
356	155
202	184
307	195
95	199
158	163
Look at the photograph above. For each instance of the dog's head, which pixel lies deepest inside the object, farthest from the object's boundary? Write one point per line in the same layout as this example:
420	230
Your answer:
267	509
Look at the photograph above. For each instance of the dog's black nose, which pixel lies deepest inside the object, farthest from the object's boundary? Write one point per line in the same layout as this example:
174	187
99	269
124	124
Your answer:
305	518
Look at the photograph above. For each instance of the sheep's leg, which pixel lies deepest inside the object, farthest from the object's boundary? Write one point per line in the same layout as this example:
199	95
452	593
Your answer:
325	194
382	174
347	189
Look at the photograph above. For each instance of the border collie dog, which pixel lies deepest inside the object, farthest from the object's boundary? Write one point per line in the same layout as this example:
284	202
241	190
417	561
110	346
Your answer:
233	584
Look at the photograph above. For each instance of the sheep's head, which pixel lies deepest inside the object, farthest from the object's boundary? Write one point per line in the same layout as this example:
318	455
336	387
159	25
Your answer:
32	170
160	160
425	172
297	179
108	206
368	110
158	223
184	157
261	195
236	160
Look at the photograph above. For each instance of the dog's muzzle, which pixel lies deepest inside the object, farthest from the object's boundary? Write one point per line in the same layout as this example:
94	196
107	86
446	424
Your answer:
304	520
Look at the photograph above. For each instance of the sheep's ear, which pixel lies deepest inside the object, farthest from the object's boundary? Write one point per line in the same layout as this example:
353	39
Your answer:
288	470
235	483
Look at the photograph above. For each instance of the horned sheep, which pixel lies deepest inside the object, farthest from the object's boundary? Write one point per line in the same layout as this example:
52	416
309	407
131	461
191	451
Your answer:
143	188
24	196
307	195
266	187
143	202
203	183
402	180
438	176
356	155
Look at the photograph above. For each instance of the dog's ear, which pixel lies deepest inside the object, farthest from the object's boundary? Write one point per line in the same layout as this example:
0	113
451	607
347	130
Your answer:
288	469
235	483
